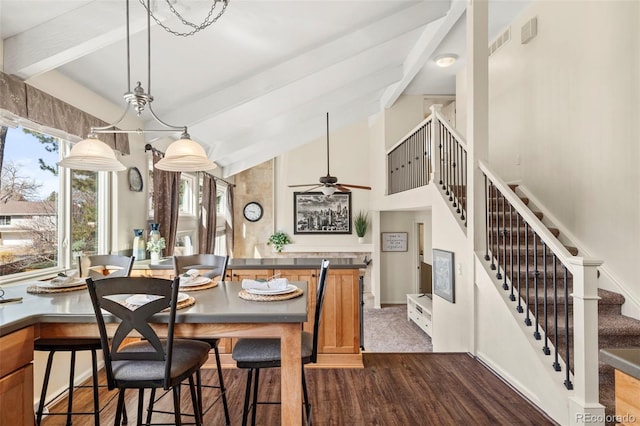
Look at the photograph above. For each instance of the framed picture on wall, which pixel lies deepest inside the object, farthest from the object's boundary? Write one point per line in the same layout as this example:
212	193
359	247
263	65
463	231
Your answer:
443	275
394	241
316	213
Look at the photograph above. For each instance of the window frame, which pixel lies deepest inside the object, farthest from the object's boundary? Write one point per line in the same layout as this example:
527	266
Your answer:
105	191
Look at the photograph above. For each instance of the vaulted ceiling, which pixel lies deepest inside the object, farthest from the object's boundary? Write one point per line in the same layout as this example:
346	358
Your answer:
258	81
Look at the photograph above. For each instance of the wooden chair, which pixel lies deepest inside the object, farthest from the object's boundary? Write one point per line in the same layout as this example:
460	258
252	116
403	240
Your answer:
74	345
255	354
215	266
151	362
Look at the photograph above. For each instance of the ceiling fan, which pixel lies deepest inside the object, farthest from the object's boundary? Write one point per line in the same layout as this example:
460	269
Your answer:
329	184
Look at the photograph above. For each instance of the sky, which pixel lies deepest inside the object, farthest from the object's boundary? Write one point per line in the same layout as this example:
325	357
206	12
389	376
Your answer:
24	150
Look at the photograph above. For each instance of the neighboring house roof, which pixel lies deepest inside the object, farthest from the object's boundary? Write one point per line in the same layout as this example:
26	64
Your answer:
28	208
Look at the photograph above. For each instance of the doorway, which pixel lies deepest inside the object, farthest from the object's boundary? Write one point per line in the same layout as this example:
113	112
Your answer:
424	267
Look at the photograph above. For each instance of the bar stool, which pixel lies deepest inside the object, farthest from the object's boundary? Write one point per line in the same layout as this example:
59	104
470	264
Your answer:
74	345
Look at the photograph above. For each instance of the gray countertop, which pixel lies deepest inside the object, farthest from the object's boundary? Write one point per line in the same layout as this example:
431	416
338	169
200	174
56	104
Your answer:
626	360
220	304
268	263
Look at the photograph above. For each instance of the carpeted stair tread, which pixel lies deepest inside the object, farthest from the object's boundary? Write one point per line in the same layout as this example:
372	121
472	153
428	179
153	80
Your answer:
530	250
608	325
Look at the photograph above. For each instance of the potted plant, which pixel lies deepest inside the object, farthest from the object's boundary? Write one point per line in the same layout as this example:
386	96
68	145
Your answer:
361	223
278	240
154	247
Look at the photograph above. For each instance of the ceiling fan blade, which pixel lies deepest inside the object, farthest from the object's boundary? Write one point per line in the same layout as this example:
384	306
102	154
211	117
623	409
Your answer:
341	188
354	186
307	184
311	189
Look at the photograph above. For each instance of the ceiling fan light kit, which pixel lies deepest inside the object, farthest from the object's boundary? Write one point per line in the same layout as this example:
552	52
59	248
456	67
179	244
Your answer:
329	184
183	154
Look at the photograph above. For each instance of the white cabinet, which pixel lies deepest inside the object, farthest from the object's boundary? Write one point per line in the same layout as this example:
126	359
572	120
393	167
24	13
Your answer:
419	311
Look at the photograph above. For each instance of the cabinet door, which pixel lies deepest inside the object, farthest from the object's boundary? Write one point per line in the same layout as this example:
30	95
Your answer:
340	323
311	277
251	274
16	397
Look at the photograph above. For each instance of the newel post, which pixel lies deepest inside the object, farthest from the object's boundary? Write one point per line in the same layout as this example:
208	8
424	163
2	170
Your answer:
584	404
436	150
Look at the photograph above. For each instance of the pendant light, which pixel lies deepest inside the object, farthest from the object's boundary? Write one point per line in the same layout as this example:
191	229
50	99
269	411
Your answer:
182	155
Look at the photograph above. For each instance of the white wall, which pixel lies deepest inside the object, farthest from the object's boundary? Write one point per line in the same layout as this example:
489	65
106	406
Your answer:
566	106
398	274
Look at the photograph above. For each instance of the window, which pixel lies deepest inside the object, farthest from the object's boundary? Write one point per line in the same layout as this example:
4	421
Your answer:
50	213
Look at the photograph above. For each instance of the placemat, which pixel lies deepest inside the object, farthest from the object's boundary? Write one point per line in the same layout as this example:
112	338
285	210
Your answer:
189	301
35	289
210	284
244	294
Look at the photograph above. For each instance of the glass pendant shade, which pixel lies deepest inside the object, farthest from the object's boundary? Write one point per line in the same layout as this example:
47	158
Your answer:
92	154
328	190
185	155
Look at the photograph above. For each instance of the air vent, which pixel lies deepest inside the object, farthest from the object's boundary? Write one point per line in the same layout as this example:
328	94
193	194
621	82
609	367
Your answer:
500	40
529	30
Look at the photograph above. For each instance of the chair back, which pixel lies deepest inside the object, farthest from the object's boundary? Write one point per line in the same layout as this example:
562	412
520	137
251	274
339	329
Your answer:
124	263
109	295
217	265
324	266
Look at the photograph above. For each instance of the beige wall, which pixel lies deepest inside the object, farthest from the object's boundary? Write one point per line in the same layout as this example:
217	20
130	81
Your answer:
255	184
564	120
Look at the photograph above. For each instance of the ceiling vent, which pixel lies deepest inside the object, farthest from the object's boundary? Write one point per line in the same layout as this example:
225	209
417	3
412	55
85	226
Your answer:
500	40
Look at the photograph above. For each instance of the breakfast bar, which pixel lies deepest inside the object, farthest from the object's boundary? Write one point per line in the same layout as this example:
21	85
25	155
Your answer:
218	312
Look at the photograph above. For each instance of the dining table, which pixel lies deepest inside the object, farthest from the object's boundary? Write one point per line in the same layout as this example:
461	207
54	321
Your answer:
218	312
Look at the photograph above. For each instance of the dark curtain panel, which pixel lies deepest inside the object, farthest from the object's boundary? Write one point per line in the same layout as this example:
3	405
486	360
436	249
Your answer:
207	228
229	221
166	193
40	107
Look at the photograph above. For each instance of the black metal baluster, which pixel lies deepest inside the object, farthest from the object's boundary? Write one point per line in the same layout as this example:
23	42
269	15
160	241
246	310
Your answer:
494	241
567	381
556	364
512	297
519	308
448	176
464	174
403	162
545	348
419	163
454	172
527	319
499	234
441	145
536	274
486	219
505	286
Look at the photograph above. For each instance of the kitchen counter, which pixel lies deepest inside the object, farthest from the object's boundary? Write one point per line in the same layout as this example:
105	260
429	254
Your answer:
221	304
266	263
626	360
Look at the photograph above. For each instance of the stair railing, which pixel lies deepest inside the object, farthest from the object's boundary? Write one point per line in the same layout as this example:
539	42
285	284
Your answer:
409	160
542	271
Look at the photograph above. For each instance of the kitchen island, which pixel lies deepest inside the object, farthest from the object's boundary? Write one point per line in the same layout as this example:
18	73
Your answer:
340	334
626	362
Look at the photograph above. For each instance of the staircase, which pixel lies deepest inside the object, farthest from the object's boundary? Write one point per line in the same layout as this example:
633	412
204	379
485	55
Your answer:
614	329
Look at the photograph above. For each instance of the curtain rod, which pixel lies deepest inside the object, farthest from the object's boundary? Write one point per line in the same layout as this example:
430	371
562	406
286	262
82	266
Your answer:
148	147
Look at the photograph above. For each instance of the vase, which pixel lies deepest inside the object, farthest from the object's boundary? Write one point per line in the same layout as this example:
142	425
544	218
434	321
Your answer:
155	257
361	240
139	244
154	234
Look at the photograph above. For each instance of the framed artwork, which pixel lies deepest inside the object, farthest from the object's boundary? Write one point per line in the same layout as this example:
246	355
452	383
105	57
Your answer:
443	275
394	241
316	213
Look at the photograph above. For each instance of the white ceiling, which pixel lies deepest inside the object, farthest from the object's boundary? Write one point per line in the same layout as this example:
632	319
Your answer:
258	81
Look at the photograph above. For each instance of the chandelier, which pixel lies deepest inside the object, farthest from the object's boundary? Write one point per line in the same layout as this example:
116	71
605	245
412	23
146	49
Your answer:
182	155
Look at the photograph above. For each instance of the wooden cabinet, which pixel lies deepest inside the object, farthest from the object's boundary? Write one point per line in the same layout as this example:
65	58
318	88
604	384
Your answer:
16	378
339	340
627	404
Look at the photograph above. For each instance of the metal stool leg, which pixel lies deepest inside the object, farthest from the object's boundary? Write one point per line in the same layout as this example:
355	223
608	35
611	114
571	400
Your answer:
255	396
45	385
247	394
72	372
223	390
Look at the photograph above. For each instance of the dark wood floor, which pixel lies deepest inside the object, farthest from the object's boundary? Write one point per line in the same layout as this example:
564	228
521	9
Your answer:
392	389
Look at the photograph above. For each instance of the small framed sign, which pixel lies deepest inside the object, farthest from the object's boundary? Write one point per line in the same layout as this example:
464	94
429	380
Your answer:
394	241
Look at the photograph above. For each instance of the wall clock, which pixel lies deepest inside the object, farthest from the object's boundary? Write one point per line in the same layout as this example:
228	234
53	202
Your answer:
135	179
252	211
